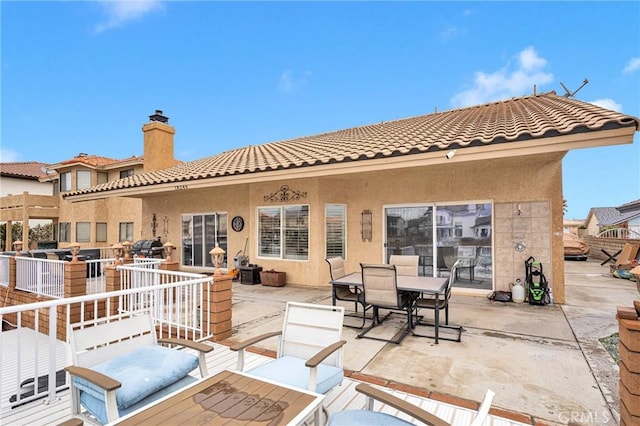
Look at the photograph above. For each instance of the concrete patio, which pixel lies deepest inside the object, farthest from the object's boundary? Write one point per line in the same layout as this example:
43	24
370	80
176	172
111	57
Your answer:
544	363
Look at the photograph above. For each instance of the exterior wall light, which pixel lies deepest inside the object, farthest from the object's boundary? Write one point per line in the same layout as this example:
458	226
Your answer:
75	249
17	246
168	249
367	226
126	245
217	256
118	252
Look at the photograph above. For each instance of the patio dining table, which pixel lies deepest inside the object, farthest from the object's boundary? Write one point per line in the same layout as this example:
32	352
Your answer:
435	286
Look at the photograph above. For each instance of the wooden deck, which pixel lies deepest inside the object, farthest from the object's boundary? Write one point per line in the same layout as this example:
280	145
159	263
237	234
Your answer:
343	397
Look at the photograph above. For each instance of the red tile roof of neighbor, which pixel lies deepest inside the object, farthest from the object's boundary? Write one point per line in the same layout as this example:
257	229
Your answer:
31	170
95	160
528	118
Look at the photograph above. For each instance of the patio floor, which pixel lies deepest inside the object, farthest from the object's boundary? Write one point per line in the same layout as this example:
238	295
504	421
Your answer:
544	363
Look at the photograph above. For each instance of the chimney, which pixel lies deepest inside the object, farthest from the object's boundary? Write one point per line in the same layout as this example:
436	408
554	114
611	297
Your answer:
158	143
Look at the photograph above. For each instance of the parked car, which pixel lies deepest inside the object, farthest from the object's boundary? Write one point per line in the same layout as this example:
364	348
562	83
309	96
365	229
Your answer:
574	247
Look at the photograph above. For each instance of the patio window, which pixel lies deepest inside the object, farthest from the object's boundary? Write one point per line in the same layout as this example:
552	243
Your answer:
64	232
283	232
126	231
83	179
200	233
101	232
335	230
83	232
65	181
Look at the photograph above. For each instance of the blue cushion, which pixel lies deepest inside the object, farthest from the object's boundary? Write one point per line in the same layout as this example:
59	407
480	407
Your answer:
292	371
141	373
364	418
99	410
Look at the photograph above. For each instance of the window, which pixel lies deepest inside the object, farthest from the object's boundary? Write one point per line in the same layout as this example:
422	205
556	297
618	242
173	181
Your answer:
200	233
126	173
283	232
102	177
65	181
335	230
83	232
126	231
101	232
64	232
83	179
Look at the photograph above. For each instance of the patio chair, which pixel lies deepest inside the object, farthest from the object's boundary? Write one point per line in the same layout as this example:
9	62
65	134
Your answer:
380	289
345	292
405	264
369	417
428	301
310	349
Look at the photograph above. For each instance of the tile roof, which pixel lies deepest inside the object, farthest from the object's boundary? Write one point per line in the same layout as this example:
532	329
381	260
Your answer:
95	160
608	216
31	170
513	120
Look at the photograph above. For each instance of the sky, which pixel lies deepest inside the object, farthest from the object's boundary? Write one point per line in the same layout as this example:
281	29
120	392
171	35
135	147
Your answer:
83	76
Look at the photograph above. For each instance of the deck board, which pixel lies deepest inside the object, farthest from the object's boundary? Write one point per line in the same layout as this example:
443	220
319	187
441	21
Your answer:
340	398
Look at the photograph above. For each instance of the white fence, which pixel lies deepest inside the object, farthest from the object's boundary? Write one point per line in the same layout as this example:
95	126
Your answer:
4	270
40	276
33	352
619	233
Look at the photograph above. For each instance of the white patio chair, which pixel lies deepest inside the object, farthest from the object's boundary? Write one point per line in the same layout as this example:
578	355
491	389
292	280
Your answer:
369	417
310	348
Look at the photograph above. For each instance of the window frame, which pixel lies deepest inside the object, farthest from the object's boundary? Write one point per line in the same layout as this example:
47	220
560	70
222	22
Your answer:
209	228
65	182
128	234
126	173
64	228
102	177
82	183
285	231
99	232
329	252
80	238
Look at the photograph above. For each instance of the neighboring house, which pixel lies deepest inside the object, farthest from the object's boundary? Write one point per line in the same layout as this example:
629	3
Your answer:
575	226
485	179
626	216
18	179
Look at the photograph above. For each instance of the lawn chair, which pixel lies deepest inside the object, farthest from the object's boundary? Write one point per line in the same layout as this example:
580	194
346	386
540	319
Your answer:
380	286
309	352
345	292
369	417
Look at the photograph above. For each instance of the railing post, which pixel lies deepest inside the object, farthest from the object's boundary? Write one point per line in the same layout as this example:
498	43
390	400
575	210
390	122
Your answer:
217	307
75	284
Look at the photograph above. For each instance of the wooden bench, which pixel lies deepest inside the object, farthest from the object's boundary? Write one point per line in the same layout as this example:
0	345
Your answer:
119	365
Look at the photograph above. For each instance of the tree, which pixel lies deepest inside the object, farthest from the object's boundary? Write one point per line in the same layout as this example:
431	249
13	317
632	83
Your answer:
565	206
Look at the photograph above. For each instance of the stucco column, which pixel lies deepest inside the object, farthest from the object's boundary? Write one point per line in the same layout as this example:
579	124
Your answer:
217	307
629	347
8	235
75	284
25	223
112	283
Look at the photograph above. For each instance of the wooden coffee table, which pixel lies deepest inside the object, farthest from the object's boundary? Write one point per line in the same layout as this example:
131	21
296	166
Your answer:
231	397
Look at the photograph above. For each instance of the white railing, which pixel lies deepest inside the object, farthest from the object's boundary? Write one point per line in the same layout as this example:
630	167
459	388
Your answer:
623	233
36	350
40	276
4	270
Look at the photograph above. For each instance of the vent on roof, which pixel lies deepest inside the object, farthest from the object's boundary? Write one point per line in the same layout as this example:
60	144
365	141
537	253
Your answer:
159	117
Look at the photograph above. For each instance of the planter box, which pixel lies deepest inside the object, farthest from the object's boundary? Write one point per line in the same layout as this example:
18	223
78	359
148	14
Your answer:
273	278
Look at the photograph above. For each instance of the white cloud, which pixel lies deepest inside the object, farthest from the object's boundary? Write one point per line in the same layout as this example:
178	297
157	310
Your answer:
632	65
608	104
119	12
506	82
8	156
288	83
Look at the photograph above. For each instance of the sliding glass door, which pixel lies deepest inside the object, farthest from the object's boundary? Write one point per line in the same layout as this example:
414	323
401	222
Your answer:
441	234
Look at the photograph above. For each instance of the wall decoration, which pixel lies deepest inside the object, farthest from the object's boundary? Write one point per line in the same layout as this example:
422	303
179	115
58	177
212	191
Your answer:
237	223
367	227
285	194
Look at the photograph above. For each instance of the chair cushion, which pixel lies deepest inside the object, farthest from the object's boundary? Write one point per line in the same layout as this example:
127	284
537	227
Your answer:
141	372
292	371
364	418
98	409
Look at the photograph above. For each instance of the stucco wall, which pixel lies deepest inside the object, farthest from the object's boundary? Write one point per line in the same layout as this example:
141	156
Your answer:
15	186
534	182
